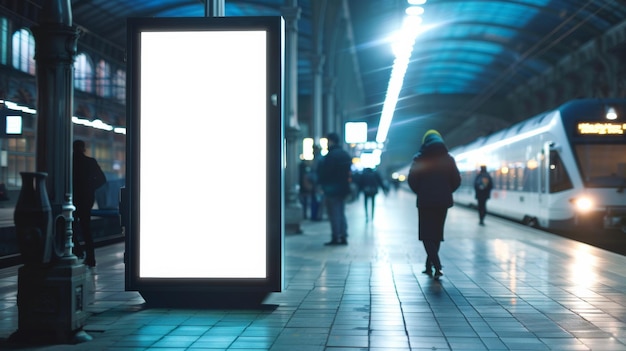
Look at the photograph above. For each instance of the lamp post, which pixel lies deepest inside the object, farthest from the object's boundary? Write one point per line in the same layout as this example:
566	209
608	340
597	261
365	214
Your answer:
51	291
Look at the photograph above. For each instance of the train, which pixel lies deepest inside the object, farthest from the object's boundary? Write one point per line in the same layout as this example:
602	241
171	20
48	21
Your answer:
563	169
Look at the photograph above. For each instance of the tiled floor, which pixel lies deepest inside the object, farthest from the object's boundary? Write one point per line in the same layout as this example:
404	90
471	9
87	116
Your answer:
505	287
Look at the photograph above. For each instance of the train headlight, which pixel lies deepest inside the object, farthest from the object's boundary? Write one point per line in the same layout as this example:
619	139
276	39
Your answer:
583	204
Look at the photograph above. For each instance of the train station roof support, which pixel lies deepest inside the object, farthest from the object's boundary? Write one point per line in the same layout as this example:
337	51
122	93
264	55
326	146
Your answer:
472	54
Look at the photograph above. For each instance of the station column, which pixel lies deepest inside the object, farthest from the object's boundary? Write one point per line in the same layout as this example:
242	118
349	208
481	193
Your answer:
293	210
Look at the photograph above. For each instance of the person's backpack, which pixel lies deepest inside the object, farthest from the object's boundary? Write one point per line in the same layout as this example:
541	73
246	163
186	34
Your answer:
482	182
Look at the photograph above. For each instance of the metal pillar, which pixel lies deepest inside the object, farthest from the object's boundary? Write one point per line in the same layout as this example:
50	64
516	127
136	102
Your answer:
293	210
329	116
51	296
215	8
318	94
319	60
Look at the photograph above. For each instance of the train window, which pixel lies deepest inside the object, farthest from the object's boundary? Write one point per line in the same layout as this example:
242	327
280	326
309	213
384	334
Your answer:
559	178
531	180
512	183
602	165
519	178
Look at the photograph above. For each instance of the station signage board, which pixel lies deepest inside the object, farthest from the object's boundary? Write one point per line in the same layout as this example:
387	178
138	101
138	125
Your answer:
600	128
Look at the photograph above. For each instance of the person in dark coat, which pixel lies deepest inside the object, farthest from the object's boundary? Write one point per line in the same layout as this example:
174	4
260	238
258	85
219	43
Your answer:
87	177
334	177
369	183
482	187
433	177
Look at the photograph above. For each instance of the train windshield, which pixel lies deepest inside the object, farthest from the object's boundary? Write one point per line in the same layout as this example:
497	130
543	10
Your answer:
602	165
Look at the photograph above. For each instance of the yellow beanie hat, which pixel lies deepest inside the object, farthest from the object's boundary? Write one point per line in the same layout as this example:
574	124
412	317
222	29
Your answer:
432	134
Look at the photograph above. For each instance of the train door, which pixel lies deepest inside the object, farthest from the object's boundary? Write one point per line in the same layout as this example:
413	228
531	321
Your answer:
544	163
544	184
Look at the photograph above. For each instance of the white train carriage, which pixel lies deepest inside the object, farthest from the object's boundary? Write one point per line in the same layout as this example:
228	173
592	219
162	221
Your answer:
560	170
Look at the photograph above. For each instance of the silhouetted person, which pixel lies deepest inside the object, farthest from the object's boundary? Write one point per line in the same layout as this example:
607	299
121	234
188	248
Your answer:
369	183
87	177
308	180
334	176
482	187
433	176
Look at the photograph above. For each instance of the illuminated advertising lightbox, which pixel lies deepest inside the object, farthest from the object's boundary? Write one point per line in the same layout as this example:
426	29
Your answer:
13	125
204	153
356	132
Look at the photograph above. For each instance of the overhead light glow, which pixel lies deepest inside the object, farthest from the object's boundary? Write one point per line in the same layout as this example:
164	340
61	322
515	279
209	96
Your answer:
416	2
402	48
97	124
414	11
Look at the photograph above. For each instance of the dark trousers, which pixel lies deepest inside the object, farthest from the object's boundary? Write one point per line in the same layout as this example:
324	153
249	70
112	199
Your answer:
336	207
371	199
312	200
432	254
482	209
83	215
431	223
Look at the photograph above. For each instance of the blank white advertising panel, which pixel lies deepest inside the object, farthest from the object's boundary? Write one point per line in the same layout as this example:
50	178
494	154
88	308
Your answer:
205	139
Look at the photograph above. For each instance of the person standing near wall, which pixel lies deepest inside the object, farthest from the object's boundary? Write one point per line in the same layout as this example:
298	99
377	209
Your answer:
87	177
433	177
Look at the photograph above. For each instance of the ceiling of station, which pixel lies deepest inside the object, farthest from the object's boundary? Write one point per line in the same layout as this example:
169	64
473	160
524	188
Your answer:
481	49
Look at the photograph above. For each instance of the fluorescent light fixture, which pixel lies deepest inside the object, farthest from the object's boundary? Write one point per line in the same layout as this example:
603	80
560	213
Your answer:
402	48
414	11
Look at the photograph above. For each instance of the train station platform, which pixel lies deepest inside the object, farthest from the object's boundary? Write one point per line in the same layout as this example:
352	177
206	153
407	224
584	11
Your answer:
505	287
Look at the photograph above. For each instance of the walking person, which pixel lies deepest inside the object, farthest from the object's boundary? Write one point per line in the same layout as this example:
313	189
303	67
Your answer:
334	176
433	177
482	187
369	183
87	177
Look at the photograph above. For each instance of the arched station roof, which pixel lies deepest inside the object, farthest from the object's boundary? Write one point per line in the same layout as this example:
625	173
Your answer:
481	49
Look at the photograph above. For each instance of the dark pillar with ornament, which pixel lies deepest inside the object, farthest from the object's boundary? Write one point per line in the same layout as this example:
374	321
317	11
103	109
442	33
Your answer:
51	290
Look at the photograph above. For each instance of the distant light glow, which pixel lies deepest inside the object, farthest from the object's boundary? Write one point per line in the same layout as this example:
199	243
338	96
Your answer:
416	2
414	11
583	204
307	149
323	146
356	132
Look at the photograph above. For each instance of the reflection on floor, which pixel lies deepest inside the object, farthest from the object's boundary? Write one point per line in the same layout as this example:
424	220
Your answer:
505	287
